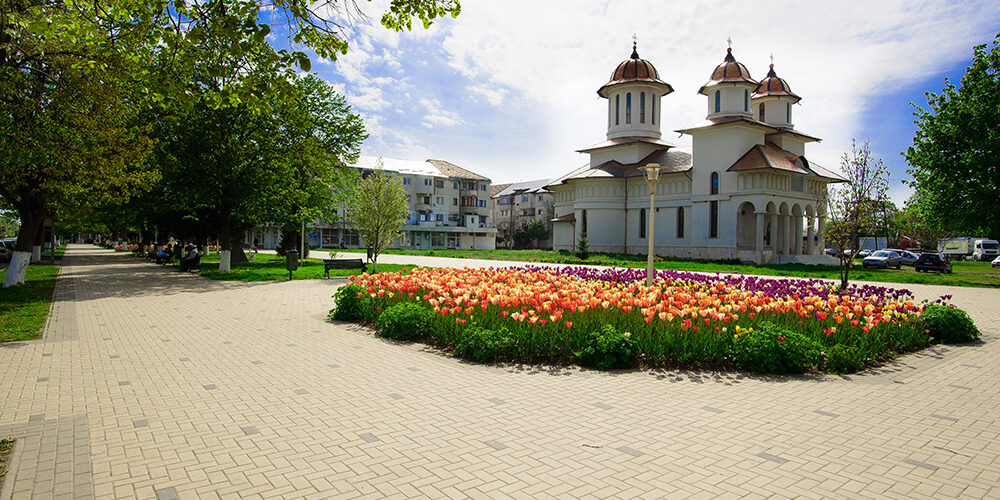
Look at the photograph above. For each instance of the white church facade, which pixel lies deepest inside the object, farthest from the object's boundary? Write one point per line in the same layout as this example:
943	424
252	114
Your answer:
744	190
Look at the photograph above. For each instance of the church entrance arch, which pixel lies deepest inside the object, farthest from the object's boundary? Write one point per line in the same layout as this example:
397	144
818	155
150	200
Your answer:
746	227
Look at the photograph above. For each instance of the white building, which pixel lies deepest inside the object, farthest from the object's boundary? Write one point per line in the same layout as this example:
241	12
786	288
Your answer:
744	190
518	204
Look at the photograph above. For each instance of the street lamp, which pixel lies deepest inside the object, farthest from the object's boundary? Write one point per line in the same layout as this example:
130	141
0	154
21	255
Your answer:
652	171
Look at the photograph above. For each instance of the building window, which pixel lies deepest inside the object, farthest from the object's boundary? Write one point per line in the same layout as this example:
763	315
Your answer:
788	112
426	200
642	107
718	101
539	212
652	108
617	108
761	112
454	185
713	219
746	100
583	225
680	222
628	108
406	180
482	203
715	183
439	217
642	222
482	187
454	201
439	184
524	198
428	182
439	200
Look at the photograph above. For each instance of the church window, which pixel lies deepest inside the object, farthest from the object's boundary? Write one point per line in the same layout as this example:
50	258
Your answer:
628	108
617	108
583	225
642	222
680	222
652	108
713	219
761	113
788	112
642	107
715	183
746	100
718	101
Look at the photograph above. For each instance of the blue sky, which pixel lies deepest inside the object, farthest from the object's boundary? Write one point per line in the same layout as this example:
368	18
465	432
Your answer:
508	89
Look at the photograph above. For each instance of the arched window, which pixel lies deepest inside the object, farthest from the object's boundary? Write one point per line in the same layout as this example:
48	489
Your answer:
746	100
680	222
761	113
642	222
628	108
617	108
715	183
713	219
718	101
642	107
583	225
788	112
652	108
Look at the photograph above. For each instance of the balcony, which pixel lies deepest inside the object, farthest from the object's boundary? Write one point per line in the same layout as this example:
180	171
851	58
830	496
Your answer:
469	209
422	207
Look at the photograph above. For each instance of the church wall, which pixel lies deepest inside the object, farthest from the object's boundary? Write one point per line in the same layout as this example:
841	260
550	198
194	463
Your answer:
790	144
648	127
631	153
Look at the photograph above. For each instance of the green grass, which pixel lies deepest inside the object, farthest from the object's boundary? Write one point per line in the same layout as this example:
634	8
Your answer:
23	308
267	267
974	274
6	448
60	251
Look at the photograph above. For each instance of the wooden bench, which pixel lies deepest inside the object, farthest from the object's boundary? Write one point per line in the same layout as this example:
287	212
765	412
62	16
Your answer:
191	265
329	264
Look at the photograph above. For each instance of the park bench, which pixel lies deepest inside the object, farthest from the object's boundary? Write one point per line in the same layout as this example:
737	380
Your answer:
191	265
329	264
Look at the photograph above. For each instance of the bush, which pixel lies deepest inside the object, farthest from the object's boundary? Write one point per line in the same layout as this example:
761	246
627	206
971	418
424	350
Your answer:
404	321
607	348
347	304
582	249
769	349
482	345
842	358
949	324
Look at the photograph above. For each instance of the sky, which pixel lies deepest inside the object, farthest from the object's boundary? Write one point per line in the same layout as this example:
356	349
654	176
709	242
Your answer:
509	89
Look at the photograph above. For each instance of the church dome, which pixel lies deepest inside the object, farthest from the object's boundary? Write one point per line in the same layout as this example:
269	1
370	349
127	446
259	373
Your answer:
730	71
635	69
772	85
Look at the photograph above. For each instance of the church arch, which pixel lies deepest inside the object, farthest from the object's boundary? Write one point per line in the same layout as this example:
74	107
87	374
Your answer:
746	226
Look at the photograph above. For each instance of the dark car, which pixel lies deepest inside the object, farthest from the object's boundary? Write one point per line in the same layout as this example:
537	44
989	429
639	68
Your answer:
932	262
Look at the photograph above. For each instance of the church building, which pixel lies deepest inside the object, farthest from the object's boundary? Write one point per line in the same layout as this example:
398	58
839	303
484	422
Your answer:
744	190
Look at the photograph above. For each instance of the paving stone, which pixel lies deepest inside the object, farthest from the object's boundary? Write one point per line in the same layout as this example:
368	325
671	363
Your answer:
495	445
368	437
139	423
248	430
773	458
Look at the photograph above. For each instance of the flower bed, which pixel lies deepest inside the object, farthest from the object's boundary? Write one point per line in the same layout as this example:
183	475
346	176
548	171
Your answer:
569	315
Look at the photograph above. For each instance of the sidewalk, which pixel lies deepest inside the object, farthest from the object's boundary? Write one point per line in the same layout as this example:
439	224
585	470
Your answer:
151	383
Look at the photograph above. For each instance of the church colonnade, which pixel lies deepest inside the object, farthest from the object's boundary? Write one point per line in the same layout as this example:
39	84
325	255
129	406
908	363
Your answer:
779	228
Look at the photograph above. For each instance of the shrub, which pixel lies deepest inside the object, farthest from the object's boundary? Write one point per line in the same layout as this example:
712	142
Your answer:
769	349
842	358
404	321
482	345
949	324
607	348
347	303
582	250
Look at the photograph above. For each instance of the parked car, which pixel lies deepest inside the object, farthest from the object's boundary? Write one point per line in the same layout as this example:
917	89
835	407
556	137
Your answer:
883	259
7	249
906	256
831	252
932	262
996	262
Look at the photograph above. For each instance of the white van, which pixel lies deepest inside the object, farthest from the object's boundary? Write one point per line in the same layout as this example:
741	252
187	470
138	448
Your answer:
985	250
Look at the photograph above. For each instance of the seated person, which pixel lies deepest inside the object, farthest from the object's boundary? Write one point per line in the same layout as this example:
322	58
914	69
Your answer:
164	254
188	259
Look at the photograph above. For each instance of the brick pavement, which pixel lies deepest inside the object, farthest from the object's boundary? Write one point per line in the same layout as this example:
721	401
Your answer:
151	383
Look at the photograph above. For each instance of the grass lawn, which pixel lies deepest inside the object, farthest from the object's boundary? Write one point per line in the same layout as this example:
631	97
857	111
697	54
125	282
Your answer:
6	448
267	267
60	250
976	274
23	308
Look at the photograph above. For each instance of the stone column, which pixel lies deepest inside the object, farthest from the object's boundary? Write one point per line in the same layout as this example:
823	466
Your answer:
822	233
810	233
797	248
789	232
759	240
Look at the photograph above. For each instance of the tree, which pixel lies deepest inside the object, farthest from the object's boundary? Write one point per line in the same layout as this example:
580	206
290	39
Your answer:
378	207
954	154
530	233
854	207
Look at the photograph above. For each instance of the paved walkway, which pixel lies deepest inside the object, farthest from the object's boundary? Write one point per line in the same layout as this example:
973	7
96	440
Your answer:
151	383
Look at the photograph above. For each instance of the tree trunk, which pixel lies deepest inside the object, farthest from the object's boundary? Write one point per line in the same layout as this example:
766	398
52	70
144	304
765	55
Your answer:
31	221
226	244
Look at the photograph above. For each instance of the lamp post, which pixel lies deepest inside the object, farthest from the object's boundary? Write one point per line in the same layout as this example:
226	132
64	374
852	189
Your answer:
652	175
